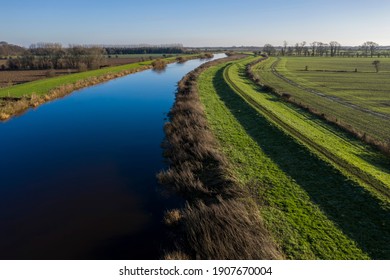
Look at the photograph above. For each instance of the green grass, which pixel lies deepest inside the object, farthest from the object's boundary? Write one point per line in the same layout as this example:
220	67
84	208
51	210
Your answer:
312	210
366	89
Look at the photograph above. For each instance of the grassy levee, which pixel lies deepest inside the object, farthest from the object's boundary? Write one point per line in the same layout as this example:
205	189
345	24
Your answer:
353	157
16	99
220	219
343	102
312	209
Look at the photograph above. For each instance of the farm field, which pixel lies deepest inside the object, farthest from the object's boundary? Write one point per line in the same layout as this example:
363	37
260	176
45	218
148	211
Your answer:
311	205
331	86
15	77
10	78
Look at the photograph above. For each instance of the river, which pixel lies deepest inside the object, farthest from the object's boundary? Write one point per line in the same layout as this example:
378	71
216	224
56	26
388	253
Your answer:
77	174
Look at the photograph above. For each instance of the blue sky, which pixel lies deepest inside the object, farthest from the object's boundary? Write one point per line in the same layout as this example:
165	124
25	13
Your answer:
194	23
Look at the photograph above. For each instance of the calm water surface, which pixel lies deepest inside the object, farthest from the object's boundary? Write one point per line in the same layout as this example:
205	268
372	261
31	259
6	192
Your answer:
77	175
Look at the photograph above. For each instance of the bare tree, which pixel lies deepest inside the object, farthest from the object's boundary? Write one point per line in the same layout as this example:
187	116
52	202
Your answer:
93	57
334	48
365	48
290	51
284	48
373	47
369	47
299	47
322	48
314	48
376	65
73	56
269	49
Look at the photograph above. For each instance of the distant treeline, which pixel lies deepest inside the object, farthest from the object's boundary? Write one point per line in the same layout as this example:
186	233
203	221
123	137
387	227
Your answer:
54	56
144	50
333	48
82	57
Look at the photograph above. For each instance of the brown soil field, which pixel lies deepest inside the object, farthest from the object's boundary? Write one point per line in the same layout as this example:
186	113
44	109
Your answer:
121	61
15	77
8	78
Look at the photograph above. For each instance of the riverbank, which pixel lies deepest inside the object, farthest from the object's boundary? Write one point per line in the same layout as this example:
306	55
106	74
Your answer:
17	99
220	219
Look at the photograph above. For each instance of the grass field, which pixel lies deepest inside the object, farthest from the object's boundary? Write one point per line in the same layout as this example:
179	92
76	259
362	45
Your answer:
331	85
365	87
313	209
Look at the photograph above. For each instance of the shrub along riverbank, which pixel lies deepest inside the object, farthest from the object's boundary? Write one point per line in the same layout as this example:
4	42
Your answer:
220	219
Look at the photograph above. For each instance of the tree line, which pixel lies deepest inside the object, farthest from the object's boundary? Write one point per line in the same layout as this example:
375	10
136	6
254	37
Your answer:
143	50
54	56
333	48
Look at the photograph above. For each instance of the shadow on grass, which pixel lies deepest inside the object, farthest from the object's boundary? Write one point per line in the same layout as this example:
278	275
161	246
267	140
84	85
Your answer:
358	214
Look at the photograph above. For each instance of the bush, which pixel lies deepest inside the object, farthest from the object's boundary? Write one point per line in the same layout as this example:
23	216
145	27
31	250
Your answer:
159	64
180	59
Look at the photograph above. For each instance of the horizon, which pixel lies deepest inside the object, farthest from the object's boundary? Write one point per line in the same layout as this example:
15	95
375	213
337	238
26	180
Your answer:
195	23
141	45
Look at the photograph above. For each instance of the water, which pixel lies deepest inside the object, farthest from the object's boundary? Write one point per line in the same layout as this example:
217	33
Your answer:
77	175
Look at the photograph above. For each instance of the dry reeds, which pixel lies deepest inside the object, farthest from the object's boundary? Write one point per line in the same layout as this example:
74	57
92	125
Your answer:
220	220
176	255
228	229
172	217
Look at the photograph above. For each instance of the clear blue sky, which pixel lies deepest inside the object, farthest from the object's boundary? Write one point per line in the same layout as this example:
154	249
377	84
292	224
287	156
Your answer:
194	22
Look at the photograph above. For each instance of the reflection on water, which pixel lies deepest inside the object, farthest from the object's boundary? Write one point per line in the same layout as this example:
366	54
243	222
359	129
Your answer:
77	175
